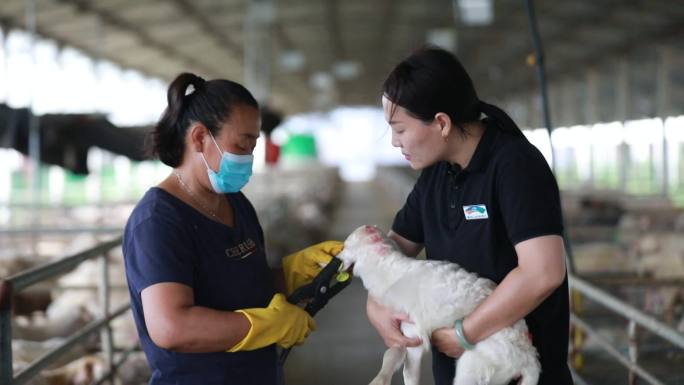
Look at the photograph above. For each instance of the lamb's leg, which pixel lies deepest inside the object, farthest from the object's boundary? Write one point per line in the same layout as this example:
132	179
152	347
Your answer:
412	365
391	361
471	369
413	355
530	375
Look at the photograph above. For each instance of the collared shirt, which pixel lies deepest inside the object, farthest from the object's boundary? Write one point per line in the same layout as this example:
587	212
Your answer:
475	216
166	240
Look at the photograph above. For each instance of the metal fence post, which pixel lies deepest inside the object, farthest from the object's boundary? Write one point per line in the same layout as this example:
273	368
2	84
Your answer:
106	331
576	334
633	334
6	371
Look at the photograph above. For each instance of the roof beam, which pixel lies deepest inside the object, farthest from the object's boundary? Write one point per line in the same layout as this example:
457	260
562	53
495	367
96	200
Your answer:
595	55
559	33
144	37
207	26
9	24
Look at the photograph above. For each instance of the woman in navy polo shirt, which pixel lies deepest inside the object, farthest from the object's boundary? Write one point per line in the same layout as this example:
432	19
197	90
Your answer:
203	298
486	200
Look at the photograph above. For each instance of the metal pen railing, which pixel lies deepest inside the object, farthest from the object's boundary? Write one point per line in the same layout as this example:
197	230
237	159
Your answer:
16	283
637	319
32	231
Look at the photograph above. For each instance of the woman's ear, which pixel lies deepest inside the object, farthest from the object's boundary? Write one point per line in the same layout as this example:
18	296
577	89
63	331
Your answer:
198	134
444	122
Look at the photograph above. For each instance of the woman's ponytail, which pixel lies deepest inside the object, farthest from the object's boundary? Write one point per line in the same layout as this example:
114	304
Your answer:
500	117
433	80
167	138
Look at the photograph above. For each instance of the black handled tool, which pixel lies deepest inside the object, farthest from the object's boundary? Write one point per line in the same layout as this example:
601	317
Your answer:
327	284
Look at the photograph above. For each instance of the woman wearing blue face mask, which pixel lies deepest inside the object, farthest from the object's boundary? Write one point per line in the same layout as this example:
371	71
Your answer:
203	298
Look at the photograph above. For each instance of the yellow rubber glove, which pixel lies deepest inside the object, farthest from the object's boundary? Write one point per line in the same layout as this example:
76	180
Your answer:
280	323
303	266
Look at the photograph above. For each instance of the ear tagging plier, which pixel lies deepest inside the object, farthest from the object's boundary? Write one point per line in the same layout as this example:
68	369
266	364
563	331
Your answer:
327	284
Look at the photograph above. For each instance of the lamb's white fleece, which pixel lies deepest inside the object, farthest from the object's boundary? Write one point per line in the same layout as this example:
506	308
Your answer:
434	294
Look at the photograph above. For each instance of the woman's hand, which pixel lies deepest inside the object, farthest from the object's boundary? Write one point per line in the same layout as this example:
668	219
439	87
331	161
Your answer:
280	323
444	340
387	323
303	266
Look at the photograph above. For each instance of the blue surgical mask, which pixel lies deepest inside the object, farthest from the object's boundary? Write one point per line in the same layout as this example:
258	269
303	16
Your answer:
234	171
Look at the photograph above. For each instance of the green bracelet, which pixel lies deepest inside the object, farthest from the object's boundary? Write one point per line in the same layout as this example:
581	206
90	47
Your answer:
461	337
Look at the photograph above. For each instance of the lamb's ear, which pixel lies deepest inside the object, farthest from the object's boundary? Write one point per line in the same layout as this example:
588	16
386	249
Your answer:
344	257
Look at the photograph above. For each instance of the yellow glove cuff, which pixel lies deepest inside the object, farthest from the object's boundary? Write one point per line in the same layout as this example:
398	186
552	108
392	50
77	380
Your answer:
280	323
250	342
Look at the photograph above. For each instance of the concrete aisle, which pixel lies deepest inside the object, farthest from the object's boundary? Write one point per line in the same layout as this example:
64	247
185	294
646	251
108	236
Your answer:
346	349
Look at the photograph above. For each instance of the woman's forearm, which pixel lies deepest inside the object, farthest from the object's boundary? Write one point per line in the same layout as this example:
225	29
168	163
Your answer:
541	269
515	297
197	329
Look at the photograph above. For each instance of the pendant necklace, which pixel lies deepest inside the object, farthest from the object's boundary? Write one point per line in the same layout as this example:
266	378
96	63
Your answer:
195	199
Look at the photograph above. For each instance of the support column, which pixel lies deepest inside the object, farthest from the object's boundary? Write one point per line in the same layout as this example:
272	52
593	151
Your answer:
34	127
622	91
258	47
592	116
622	114
3	47
663	108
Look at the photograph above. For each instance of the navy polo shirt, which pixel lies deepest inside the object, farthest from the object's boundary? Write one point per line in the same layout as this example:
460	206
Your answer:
475	216
166	240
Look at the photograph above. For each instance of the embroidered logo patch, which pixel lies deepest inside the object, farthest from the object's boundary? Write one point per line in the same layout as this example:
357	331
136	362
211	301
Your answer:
242	250
475	212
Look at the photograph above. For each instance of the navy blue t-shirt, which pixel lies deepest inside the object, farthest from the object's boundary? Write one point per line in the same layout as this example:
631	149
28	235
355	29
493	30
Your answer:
166	240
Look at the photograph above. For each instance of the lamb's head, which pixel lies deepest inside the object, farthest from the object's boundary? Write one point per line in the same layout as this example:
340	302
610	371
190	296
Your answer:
364	242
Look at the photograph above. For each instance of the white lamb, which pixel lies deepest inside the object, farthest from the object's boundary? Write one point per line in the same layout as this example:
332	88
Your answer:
434	294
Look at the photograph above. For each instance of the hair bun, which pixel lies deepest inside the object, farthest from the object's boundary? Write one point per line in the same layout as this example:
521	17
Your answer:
198	82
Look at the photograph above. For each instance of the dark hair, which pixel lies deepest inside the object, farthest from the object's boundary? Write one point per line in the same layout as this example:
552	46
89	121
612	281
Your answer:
433	80
210	103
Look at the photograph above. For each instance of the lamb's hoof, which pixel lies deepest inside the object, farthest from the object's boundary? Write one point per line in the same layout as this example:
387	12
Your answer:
380	381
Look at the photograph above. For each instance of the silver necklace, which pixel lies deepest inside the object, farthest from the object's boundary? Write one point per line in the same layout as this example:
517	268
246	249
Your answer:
194	199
